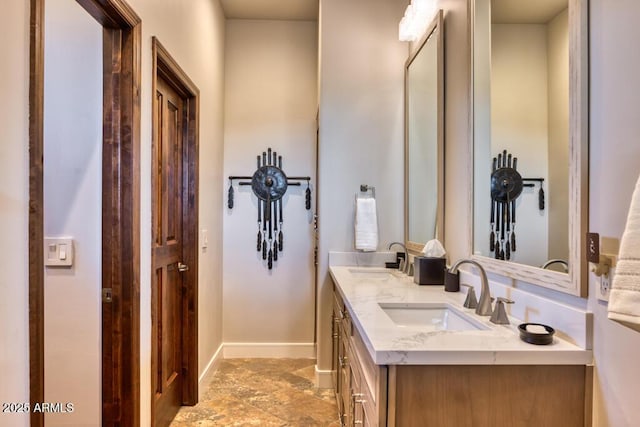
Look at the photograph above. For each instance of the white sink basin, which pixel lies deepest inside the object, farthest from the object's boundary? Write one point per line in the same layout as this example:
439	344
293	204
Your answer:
430	316
371	273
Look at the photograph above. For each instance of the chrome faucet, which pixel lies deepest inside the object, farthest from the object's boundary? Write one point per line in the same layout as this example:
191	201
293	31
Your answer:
405	267
484	305
565	264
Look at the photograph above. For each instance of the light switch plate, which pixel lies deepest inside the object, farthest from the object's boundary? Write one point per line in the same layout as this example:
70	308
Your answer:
58	251
593	247
205	238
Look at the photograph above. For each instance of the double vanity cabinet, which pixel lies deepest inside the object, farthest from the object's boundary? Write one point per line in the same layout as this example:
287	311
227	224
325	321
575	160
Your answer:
389	371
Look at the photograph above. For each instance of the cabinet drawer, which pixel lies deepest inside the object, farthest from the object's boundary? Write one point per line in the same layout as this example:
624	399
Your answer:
374	376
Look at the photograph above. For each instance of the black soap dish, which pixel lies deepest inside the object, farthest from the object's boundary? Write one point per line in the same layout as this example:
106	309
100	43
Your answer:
544	338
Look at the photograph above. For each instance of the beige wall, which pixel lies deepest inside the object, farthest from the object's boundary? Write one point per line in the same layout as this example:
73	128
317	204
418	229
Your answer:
361	130
519	124
557	188
270	102
458	166
193	32
614	168
73	207
14	197
481	124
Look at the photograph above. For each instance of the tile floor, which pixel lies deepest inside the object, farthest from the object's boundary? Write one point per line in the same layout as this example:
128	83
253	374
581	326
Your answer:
262	392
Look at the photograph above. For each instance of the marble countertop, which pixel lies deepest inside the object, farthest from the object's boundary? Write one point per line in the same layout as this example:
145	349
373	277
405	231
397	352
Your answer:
390	344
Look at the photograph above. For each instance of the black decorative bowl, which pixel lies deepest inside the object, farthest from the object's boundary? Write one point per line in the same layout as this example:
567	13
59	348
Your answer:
536	338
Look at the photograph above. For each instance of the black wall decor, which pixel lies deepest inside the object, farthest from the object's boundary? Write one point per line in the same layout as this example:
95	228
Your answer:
506	187
269	183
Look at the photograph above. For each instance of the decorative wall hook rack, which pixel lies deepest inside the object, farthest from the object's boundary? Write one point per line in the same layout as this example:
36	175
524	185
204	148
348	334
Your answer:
269	183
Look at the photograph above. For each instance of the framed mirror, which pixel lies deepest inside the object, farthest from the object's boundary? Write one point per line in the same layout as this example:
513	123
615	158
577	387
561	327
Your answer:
530	130
424	143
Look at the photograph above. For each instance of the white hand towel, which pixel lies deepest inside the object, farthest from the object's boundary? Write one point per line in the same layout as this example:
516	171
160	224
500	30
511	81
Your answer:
624	300
366	225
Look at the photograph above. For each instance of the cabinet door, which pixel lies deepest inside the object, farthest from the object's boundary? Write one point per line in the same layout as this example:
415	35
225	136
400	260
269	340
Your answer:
357	389
335	334
344	395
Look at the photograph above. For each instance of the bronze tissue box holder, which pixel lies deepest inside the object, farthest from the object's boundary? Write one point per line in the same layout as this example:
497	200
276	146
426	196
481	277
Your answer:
429	270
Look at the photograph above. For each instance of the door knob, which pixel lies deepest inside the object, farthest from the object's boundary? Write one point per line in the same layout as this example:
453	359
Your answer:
182	267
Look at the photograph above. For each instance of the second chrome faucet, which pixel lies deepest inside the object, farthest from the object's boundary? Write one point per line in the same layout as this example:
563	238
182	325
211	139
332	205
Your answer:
484	305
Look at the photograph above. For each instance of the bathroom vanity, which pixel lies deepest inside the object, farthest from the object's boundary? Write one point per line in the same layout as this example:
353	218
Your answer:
408	355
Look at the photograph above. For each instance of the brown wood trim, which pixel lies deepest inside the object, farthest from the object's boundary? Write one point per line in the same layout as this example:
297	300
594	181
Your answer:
165	65
391	395
190	242
121	223
36	209
111	13
588	396
171	71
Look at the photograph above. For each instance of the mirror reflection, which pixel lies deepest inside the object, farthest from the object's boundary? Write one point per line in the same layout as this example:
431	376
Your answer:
521	132
423	144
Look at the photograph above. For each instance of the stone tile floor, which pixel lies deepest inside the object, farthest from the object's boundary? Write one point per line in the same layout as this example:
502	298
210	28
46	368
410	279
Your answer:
262	392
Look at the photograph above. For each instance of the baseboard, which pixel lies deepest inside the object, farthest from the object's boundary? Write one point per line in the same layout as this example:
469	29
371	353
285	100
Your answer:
324	379
207	375
263	350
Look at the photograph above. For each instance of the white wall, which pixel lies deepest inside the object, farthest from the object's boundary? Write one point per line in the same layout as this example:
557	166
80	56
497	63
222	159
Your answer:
270	102
361	130
14	204
73	207
519	124
614	168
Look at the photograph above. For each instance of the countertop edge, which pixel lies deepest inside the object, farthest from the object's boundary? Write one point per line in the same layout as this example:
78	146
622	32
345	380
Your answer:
533	356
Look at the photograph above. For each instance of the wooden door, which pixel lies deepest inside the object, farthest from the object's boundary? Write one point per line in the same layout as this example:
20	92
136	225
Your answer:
167	256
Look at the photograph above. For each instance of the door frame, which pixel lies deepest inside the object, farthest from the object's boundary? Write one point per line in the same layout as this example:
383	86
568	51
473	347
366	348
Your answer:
165	65
120	209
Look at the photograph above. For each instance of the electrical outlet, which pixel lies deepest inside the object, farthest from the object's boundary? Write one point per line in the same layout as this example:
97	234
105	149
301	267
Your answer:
604	287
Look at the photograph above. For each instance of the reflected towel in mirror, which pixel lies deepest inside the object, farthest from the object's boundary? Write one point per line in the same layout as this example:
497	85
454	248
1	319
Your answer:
366	224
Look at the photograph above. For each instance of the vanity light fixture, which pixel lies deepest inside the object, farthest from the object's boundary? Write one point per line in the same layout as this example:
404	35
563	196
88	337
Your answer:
416	18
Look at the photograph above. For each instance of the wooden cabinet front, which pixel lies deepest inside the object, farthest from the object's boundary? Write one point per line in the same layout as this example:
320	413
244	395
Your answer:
489	396
360	385
453	395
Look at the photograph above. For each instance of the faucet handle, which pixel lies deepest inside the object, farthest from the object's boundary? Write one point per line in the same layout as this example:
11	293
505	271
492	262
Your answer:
499	316
471	301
